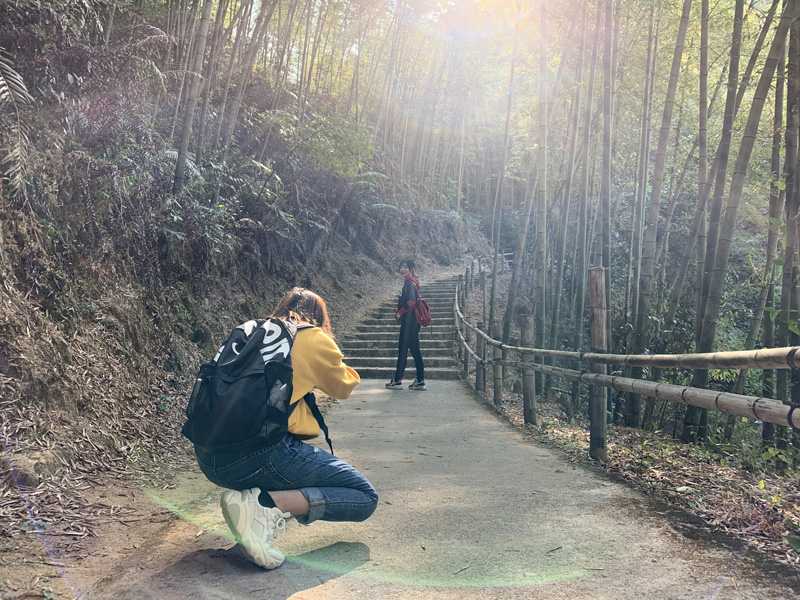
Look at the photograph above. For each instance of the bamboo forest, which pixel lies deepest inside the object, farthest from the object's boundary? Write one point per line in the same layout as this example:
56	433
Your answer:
579	218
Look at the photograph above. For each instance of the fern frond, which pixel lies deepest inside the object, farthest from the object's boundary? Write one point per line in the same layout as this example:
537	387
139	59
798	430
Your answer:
14	94
145	65
380	206
363	185
371	175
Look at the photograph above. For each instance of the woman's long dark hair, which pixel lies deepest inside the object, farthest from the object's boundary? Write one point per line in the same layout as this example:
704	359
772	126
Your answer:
303	305
409	265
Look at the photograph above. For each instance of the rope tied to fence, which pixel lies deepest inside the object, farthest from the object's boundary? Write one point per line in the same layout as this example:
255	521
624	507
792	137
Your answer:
789	417
790	358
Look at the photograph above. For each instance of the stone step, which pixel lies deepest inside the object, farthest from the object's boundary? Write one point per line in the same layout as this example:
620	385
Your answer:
443	301
372	350
389	362
391	354
388	311
378	347
379	334
395	329
388	373
391	322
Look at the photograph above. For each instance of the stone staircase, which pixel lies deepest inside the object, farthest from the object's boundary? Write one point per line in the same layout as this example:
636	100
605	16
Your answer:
372	350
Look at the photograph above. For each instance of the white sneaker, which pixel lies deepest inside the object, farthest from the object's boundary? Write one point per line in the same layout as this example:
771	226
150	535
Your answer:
254	526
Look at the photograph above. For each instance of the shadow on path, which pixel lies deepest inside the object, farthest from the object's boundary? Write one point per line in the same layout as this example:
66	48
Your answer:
223	574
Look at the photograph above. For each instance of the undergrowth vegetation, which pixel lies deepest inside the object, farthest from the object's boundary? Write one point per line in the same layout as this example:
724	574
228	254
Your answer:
114	287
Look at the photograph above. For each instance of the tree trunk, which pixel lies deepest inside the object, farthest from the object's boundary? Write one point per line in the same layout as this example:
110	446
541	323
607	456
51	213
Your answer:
716	285
605	178
264	16
301	71
183	58
767	294
723	152
555	324
211	68
461	159
541	210
678	280
786	384
191	101
226	86
498	198
635	249
583	203
641	333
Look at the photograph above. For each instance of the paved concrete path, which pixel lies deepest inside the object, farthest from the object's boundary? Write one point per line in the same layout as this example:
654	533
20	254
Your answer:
468	509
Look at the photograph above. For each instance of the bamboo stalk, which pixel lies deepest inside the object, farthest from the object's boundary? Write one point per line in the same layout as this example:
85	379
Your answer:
480	363
467	340
497	372
528	395
599	341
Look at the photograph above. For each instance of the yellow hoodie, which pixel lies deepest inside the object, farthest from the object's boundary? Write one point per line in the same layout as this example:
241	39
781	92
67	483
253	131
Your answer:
317	363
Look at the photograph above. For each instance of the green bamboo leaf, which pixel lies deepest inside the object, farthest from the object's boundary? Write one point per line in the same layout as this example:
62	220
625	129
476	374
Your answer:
14	94
794	542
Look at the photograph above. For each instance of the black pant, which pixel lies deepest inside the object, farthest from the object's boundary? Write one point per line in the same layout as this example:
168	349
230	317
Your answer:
409	340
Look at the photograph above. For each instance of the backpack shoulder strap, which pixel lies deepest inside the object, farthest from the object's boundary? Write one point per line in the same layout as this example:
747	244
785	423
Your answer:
311	402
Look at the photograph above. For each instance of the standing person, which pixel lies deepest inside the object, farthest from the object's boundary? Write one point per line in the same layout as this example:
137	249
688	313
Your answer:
293	479
409	329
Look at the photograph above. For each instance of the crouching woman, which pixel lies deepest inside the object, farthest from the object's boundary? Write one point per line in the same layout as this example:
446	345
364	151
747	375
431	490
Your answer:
291	478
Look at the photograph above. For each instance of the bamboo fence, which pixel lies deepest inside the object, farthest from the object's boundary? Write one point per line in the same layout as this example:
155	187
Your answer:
767	410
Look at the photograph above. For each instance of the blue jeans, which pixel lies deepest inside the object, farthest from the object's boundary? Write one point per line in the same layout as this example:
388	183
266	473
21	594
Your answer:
333	488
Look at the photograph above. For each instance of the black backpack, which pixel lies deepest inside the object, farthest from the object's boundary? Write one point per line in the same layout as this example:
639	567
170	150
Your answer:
241	399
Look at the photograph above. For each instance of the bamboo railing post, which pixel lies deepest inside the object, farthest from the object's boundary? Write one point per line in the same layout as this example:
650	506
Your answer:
528	392
597	327
471	283
462	293
483	290
466	285
497	371
457	321
467	339
480	367
460	352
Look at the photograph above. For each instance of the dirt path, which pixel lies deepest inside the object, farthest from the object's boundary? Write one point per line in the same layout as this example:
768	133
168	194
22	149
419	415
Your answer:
469	509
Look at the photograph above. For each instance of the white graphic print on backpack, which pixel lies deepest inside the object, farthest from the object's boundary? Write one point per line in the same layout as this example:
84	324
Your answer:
242	399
